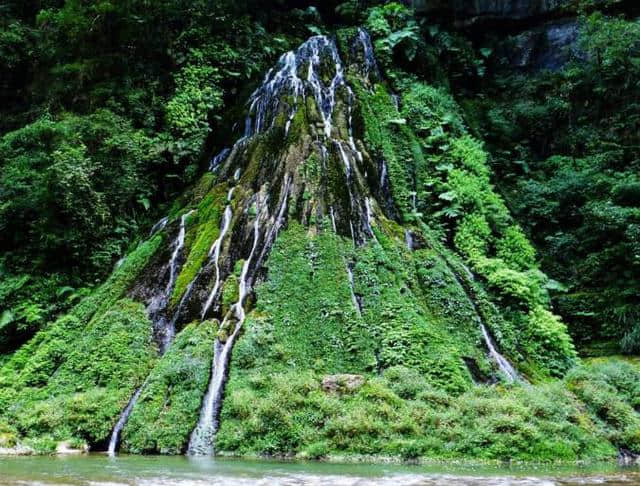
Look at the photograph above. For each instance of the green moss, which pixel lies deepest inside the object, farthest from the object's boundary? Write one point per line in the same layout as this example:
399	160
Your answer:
400	415
411	325
440	175
120	281
305	308
80	393
169	405
205	229
230	292
386	133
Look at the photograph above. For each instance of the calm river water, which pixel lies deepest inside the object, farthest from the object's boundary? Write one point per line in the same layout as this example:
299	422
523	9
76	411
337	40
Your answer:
100	470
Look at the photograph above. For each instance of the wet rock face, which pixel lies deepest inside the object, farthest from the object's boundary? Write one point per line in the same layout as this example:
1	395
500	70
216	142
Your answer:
547	47
511	9
545	40
474	10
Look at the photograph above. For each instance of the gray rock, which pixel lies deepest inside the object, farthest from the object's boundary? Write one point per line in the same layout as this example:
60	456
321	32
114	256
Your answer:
547	47
64	448
343	383
467	12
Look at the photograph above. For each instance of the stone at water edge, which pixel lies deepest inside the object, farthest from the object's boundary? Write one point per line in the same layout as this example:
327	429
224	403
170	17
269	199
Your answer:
65	447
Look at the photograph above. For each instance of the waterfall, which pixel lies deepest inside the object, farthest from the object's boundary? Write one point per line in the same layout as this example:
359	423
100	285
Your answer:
214	252
408	239
347	169
505	367
159	226
179	244
164	329
352	142
367	205
217	161
347	164
503	364
202	438
396	101
383	174
354	298
370	63
284	80
333	219
313	71
124	416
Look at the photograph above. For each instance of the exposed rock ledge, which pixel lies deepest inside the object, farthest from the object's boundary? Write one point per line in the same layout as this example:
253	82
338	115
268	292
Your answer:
342	383
17	450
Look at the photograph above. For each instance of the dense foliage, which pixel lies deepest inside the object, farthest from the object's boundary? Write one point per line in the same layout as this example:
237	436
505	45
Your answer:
399	414
511	220
564	146
106	110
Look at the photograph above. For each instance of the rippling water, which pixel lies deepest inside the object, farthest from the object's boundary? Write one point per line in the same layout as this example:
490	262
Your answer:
98	470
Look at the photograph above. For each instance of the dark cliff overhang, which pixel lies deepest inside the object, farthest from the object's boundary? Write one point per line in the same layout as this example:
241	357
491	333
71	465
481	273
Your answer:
511	16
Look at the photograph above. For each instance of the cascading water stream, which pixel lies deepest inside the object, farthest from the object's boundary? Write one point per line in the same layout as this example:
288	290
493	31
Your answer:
217	161
370	63
202	438
124	416
284	81
354	298
159	226
316	70
505	367
333	219
168	333
214	252
383	174
408	239
173	263
156	307
369	213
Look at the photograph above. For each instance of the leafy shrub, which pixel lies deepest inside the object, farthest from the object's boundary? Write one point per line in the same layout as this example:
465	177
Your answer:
188	111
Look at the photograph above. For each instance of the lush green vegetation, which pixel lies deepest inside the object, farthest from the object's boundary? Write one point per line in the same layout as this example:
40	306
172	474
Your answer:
400	414
564	147
76	389
105	114
499	199
169	404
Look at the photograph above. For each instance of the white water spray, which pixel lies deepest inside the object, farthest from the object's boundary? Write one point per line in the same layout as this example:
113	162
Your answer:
124	416
505	367
202	438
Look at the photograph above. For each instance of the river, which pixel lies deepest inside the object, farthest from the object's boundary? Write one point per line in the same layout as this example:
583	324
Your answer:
100	470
